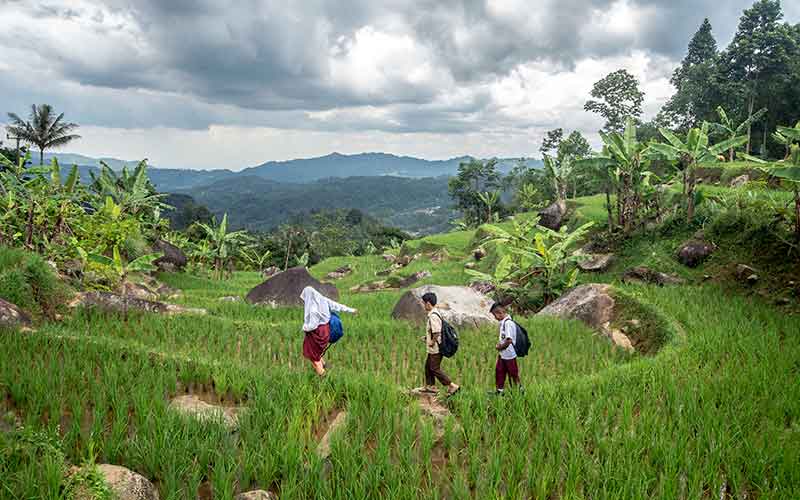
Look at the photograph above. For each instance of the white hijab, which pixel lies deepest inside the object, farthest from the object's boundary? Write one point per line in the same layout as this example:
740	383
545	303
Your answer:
317	309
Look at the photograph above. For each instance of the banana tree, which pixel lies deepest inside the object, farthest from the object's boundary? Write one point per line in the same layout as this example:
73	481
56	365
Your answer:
534	255
690	153
558	171
255	259
132	191
788	171
222	243
730	130
787	136
490	200
623	165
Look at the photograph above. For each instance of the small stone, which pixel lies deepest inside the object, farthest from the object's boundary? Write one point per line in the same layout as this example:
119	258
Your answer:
194	407
753	278
479	253
256	495
230	299
621	340
783	301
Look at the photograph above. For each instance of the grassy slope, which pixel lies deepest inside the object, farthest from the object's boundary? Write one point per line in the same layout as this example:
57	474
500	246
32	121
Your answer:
717	410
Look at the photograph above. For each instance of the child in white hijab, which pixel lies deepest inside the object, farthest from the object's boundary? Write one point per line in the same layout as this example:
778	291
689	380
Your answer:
316	325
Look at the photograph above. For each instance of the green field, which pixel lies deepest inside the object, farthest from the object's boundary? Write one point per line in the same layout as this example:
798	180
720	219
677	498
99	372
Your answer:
714	414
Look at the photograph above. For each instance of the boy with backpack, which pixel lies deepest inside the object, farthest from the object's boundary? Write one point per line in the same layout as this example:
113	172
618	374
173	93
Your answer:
512	337
436	348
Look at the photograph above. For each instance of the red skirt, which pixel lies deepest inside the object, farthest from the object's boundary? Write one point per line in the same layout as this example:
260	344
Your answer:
316	342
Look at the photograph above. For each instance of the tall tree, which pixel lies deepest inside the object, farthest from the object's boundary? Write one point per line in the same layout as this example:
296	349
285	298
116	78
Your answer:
472	179
616	98
758	61
696	88
551	141
44	129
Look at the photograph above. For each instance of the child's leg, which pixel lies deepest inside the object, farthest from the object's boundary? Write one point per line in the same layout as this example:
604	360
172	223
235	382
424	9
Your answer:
318	367
430	379
513	371
500	374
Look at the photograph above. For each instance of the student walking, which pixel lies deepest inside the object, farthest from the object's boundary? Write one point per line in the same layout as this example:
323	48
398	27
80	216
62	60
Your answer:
506	366
316	325
433	339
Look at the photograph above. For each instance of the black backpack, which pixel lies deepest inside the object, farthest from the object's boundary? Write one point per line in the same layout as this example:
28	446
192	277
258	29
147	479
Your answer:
523	343
449	344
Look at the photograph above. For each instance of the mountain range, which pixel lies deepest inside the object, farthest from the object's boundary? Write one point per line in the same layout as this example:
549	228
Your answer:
408	192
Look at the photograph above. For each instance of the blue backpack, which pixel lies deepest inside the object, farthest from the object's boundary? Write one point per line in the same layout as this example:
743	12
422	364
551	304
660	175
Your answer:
337	330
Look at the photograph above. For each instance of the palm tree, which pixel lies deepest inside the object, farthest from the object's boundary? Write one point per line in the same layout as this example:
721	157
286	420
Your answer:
44	130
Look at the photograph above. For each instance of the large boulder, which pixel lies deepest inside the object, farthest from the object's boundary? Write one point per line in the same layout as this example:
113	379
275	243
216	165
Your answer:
173	258
119	303
692	253
458	305
12	316
552	217
592	304
284	288
643	274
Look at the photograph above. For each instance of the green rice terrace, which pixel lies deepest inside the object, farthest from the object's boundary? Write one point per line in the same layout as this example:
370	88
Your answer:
710	412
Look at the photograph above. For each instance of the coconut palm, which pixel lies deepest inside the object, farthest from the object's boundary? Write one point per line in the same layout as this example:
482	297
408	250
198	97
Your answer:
45	130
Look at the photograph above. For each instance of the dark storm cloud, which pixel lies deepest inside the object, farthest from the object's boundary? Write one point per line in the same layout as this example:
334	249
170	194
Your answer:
252	60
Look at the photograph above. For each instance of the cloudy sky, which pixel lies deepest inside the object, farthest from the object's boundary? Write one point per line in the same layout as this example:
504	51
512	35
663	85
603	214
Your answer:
213	84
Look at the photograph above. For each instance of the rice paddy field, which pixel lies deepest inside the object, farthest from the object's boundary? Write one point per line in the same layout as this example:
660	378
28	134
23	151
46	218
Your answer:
715	413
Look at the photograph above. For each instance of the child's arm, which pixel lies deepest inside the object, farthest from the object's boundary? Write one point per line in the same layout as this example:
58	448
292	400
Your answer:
335	306
501	346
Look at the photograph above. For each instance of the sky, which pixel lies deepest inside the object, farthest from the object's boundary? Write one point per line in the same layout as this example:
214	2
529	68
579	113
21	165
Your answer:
215	84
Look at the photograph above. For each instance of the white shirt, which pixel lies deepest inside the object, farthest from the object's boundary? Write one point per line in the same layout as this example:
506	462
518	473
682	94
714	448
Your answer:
508	330
317	309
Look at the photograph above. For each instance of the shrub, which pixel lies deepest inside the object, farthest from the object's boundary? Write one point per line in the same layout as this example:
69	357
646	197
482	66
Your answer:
27	281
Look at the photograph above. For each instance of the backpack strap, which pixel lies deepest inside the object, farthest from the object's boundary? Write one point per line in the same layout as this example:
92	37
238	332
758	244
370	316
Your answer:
441	332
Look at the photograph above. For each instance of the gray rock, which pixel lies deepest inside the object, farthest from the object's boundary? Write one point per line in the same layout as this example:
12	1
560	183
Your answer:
740	181
458	305
173	258
389	257
592	304
195	407
642	274
12	316
117	303
597	262
340	272
552	217
126	484
284	288
479	253
256	495
230	298
482	287
694	252
270	272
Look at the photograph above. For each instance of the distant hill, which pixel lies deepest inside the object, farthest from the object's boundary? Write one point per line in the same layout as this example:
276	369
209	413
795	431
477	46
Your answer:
293	171
364	164
417	205
406	192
